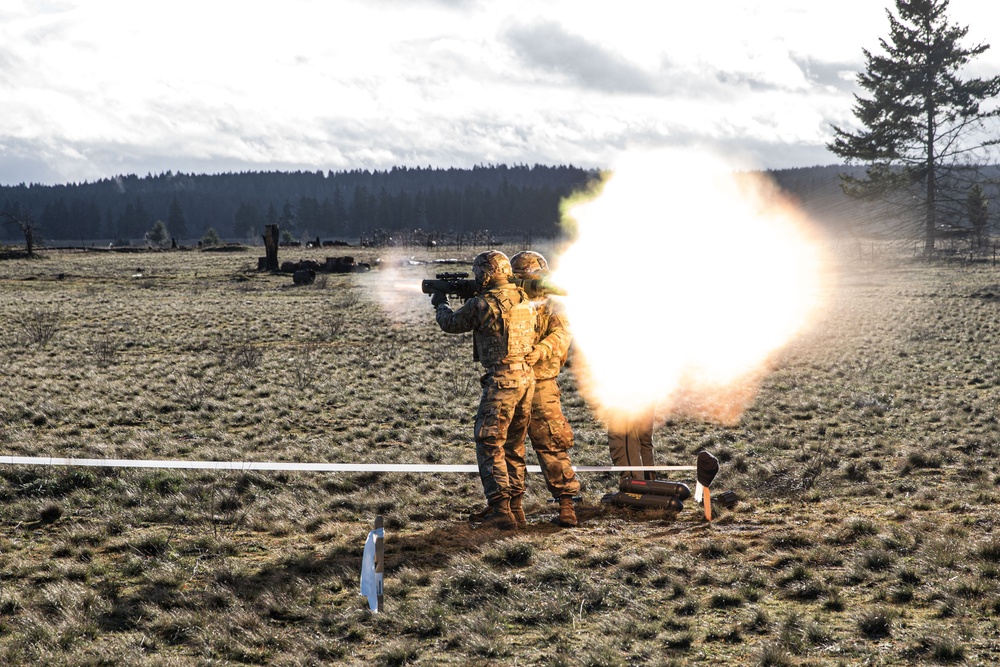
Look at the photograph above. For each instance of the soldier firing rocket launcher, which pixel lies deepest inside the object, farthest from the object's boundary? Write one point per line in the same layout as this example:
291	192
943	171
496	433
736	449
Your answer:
460	285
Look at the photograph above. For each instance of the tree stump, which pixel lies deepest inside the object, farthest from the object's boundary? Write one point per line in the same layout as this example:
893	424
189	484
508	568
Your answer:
271	246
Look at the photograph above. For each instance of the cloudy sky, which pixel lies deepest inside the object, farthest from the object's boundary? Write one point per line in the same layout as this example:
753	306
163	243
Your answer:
95	88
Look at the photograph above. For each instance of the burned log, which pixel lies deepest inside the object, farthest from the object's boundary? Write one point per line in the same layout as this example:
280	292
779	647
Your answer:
344	265
304	277
331	265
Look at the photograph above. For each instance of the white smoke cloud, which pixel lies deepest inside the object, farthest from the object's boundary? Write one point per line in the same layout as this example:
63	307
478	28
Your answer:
684	278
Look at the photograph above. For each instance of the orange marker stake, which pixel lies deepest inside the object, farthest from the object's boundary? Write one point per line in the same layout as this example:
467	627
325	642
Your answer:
708	504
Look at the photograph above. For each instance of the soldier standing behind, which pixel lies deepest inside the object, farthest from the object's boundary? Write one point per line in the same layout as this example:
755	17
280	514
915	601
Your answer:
550	432
502	322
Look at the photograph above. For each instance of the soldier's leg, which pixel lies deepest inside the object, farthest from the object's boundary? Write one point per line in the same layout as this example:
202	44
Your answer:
489	443
499	449
516	433
551	438
491	430
624	444
644	435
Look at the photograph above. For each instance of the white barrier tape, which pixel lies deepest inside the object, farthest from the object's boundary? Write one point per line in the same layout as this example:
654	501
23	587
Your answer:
277	465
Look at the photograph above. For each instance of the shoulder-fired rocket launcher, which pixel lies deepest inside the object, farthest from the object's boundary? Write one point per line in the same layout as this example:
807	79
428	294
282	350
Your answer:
460	285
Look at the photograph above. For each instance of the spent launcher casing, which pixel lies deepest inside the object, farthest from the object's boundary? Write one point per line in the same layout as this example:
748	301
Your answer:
460	285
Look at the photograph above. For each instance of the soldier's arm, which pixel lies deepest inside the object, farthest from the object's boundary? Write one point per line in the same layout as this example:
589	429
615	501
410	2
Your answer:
458	321
557	336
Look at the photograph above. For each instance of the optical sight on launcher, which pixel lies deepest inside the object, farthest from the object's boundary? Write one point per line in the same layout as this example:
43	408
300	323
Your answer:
459	284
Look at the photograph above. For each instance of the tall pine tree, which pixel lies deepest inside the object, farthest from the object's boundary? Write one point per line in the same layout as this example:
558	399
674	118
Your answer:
176	222
922	126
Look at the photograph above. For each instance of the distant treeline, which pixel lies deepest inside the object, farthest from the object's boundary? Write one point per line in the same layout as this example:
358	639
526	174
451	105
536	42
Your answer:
350	205
331	205
817	191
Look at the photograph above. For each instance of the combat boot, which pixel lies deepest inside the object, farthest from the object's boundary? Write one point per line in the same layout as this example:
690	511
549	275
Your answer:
498	515
518	512
567	515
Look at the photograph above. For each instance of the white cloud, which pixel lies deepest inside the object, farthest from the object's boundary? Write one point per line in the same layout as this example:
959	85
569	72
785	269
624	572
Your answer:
93	87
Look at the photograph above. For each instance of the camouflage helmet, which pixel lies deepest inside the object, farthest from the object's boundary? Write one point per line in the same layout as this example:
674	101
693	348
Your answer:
491	266
529	264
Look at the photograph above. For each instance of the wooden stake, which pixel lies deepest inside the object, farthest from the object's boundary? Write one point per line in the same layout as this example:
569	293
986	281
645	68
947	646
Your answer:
708	504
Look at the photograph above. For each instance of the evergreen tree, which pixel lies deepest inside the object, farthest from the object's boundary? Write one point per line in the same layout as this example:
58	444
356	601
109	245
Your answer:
383	211
420	211
211	238
158	235
327	218
86	219
55	220
111	226
124	224
142	219
134	221
247	221
359	211
287	215
309	214
175	220
923	124
339	210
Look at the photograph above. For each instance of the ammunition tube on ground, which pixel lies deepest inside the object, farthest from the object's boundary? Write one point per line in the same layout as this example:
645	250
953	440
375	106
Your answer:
657	487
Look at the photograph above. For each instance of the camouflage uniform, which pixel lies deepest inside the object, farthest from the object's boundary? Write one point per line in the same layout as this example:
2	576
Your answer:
630	439
550	432
502	320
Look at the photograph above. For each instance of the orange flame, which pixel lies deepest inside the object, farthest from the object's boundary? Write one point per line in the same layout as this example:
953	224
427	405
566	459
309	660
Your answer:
684	277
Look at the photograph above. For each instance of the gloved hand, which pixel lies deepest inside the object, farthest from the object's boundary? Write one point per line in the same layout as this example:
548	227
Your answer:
438	297
538	353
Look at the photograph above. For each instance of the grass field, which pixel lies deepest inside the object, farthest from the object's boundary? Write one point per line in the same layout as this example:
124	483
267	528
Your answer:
866	466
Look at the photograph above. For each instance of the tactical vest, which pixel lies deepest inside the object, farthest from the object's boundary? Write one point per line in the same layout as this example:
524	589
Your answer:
542	314
546	369
514	328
